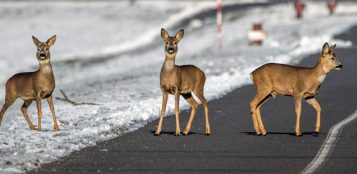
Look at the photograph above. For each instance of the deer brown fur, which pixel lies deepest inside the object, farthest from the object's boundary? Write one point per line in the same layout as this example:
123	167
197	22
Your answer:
180	80
33	86
300	82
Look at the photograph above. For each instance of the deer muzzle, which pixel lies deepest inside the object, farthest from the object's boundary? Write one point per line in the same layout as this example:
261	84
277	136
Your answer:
171	50
42	56
339	66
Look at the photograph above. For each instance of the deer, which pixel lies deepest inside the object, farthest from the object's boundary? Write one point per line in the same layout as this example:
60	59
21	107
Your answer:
33	86
180	80
299	82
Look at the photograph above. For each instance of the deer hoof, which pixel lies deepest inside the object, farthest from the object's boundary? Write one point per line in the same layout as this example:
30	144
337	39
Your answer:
315	134
298	134
264	132
186	132
56	127
258	133
208	131
157	133
177	134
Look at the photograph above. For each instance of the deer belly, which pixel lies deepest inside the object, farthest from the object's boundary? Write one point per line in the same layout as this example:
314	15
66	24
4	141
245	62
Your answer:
168	88
26	94
283	91
27	97
45	94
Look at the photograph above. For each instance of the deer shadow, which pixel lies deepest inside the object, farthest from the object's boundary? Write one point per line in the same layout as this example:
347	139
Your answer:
173	133
283	133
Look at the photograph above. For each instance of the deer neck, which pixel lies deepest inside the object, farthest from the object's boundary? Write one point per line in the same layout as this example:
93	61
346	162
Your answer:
319	71
46	67
169	64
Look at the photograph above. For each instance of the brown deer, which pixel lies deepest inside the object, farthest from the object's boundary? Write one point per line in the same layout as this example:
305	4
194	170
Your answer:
300	82
180	80
33	86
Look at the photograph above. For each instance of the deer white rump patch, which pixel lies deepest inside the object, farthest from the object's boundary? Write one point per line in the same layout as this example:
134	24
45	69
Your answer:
251	76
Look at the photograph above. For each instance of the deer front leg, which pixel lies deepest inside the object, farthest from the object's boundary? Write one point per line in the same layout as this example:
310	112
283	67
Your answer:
177	104
163	108
298	113
52	108
39	111
313	102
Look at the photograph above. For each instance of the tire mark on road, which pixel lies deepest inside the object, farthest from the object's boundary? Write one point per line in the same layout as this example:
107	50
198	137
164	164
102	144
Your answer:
328	145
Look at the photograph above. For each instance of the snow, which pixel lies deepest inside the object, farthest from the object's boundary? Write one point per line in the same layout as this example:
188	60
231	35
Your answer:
111	54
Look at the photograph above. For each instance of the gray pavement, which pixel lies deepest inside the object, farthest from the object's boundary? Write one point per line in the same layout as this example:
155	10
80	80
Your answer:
233	147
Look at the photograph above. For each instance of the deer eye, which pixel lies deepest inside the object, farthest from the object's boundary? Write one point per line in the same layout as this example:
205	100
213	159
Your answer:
167	43
175	43
38	49
332	58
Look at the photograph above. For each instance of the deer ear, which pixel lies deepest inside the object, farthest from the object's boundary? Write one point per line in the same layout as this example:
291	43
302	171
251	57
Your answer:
51	41
35	41
332	48
179	35
164	35
326	48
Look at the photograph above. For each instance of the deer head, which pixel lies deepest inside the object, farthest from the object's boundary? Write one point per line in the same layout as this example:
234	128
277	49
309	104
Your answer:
43	49
328	58
171	42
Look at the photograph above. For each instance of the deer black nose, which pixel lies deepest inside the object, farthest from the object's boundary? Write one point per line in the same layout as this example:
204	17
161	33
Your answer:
339	66
171	49
42	55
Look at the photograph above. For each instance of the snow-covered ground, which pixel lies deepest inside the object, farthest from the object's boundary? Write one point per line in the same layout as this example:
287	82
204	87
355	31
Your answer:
126	85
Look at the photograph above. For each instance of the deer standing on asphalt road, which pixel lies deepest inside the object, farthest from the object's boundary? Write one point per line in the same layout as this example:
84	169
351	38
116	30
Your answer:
300	82
180	80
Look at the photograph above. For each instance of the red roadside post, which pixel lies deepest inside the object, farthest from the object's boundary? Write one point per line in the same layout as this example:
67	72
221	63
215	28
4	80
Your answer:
299	6
331	5
219	23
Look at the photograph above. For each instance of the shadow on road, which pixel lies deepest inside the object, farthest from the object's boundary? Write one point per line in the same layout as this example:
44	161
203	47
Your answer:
281	133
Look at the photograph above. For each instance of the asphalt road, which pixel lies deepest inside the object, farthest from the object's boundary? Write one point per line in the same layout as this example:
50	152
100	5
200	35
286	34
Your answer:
233	147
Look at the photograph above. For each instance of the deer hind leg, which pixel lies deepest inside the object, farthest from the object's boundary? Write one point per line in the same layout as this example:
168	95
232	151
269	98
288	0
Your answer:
8	102
188	97
313	102
52	108
297	99
201	97
259	98
163	108
24	108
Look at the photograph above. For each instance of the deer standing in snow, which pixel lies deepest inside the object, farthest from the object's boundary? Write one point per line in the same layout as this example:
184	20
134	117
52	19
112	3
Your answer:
33	86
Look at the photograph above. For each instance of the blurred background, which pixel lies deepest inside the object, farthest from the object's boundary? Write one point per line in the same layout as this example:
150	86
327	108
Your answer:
110	53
